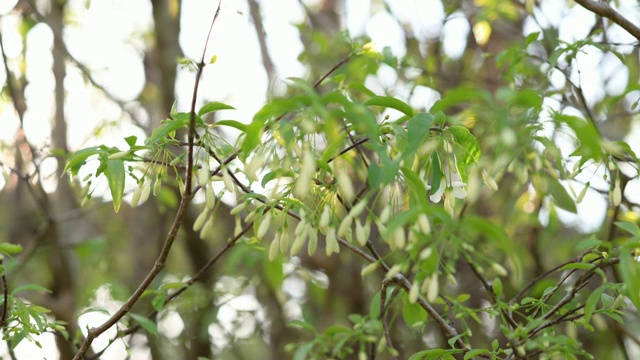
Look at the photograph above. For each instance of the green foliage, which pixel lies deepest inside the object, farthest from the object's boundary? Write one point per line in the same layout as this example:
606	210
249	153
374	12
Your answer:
368	220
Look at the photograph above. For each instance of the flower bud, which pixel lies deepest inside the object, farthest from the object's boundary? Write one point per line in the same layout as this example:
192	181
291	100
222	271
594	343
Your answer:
395	270
313	242
413	293
228	181
307	169
499	269
385	214
284	241
325	218
344	184
361	234
423	223
399	238
432	291
357	209
273	248
345	226
157	186
264	226
236	210
369	269
298	242
135	199
332	245
452	280
583	192
146	191
197	225
207	229
426	253
491	183
252	166
118	155
210	197
203	176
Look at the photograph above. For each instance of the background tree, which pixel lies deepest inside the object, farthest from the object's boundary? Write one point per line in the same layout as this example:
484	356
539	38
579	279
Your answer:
465	189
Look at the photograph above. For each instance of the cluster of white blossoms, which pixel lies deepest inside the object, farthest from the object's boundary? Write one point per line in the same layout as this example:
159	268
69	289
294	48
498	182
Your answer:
449	191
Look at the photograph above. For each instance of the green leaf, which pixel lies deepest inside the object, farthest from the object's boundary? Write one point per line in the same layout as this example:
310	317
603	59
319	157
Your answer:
412	313
417	187
562	198
232	123
254	132
592	301
475	352
591	242
390	102
374	306
172	285
531	38
469	149
147	324
10	249
131	141
78	158
273	272
435	354
278	173
115	175
214	106
497	286
630	271
458	96
302	324
629	227
165	129
417	128
30	287
158	301
303	351
587	135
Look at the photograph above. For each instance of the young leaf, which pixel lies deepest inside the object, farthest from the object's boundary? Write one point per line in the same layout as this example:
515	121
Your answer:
78	159
10	249
115	175
214	106
166	128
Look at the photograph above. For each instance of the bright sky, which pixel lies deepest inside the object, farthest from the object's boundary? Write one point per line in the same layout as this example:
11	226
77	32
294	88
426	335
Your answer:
106	38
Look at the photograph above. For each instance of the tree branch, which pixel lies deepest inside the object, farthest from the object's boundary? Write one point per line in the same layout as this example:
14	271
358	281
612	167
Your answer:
605	10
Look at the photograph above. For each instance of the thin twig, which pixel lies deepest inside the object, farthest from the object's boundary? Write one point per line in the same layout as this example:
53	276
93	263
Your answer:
383	318
182	209
5	298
